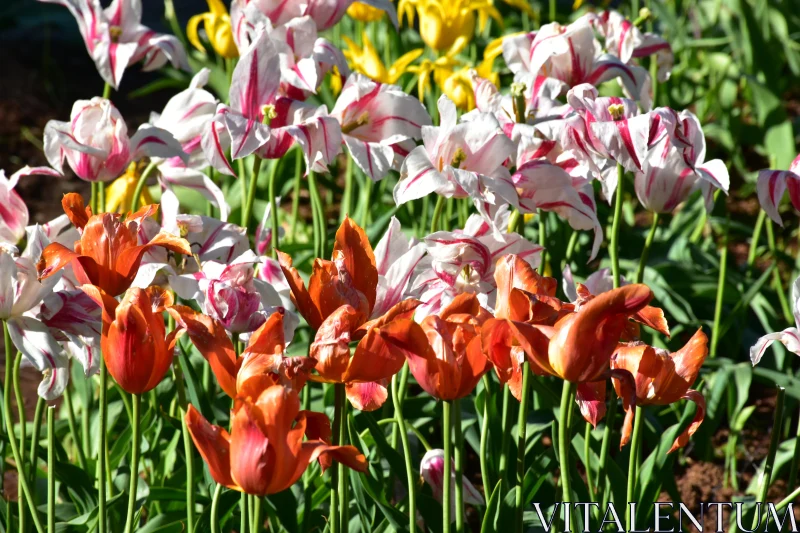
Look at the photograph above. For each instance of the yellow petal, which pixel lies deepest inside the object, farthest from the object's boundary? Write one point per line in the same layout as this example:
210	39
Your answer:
191	30
400	66
217	7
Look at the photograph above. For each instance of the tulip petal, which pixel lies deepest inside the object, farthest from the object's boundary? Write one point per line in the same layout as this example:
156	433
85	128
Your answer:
251	453
78	213
213	443
374	359
690	358
34	340
300	296
212	341
591	399
628	388
367	396
359	259
331	346
683	438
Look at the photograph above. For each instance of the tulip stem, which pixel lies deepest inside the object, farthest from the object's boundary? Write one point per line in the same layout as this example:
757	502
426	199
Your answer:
633	462
51	470
318	213
448	454
256	512
522	438
766	475
587	449
485	476
604	450
795	458
251	191
22	438
723	266
137	192
459	460
367	194
134	479
564	442
646	250
101	448
73	428
347	196
542	239
37	427
93	197
26	493
751	254
437	213
401	423
273	206
338	409
776	276
298	165
506	432
106	91
214	509
187	440
614	244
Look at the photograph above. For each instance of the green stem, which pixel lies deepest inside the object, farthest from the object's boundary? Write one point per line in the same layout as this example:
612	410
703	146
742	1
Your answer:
401	423
542	240
273	205
766	475
298	175
93	197
344	498
437	213
73	429
251	191
447	426
614	245
347	197
106	91
215	509
15	450
319	214
587	450
564	442
101	448
458	456
776	276
552	10
134	479
723	266
37	425
257	520
187	441
633	462
506	433
338	409
485	476
22	438
243	513
573	240
522	438
137	192
795	458
751	254
368	185
646	250
51	471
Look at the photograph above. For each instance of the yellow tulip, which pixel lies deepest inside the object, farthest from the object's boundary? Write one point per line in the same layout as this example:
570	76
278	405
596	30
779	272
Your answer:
119	195
217	23
443	22
365	59
365	12
457	85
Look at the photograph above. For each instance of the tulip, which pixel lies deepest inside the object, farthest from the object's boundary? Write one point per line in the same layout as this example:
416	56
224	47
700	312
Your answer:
96	145
374	118
365	59
217	23
459	161
396	259
364	12
663	378
464	261
136	348
772	185
442	23
789	337
231	293
119	194
107	254
74	321
324	13
444	352
338	304
674	166
263	361
432	469
265	453
116	38
13	211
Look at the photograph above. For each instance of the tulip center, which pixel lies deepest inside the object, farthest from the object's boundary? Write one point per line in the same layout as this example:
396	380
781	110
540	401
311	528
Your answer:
115	32
268	112
617	111
459	157
360	121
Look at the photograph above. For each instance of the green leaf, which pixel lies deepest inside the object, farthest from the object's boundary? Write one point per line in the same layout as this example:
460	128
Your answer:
491	510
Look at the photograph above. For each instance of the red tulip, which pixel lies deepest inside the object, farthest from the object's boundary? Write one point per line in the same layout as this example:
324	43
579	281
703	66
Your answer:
265	453
136	349
108	253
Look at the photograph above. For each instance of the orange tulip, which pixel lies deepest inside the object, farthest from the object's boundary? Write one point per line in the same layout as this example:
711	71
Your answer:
262	363
136	349
108	253
663	378
444	352
265	453
338	304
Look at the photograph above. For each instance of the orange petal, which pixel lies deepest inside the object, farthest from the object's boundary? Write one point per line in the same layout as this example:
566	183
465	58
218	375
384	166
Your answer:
159	298
329	290
463	304
374	359
213	443
412	341
300	295
700	401
591	399
367	396
129	349
511	271
268	338
145	211
404	309
331	346
473	366
250	458
211	340
107	303
76	211
108	241
628	395
653	317
359	259
691	357
54	257
277	409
